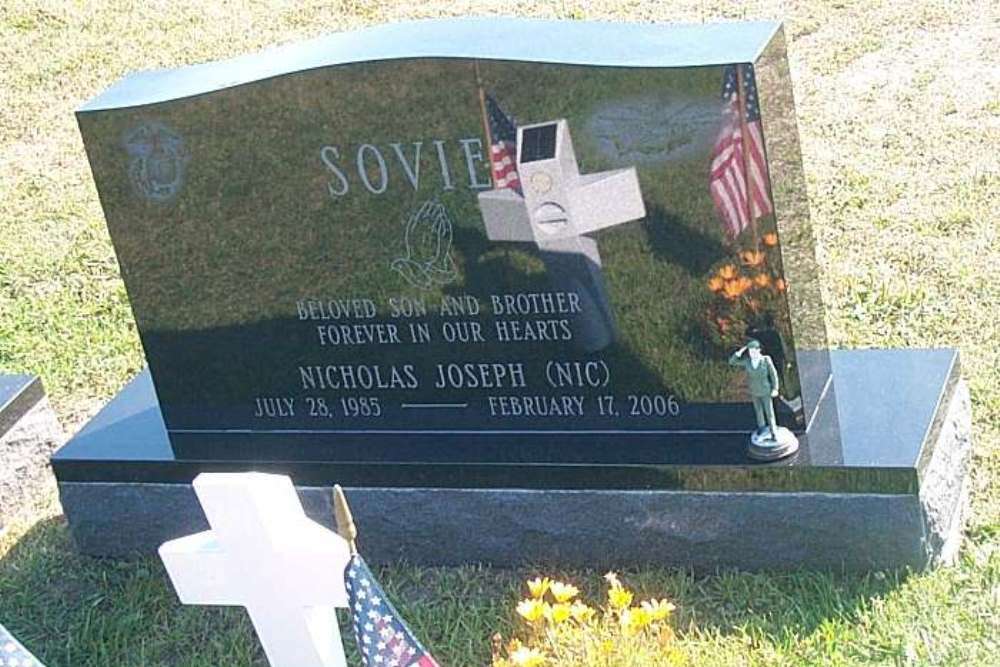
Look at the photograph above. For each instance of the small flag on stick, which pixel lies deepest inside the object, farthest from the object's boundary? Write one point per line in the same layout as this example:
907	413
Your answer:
384	640
503	146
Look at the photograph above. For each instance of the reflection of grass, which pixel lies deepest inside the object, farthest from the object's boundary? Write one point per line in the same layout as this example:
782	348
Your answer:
255	229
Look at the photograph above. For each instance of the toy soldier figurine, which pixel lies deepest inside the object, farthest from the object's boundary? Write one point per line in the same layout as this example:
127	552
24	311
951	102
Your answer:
769	441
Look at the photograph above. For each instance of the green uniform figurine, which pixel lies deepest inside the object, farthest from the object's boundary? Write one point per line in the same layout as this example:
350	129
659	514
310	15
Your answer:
769	441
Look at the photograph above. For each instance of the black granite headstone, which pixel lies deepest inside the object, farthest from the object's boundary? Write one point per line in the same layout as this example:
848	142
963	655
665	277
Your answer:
402	252
491	272
18	394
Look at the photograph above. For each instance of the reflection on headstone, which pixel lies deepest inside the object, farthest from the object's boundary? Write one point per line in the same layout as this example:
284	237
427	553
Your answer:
648	130
558	207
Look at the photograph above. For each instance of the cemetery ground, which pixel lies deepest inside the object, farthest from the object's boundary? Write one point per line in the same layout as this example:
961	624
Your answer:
899	111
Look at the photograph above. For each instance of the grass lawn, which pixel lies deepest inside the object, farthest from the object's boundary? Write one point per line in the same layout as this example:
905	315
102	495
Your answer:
899	111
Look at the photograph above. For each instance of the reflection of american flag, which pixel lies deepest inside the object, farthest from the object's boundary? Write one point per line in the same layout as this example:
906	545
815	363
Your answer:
733	171
383	638
503	150
12	653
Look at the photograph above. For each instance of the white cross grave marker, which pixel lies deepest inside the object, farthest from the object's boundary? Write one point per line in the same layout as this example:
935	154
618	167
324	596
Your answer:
264	554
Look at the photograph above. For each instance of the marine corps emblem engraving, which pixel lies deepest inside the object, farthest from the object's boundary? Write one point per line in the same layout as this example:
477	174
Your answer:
158	161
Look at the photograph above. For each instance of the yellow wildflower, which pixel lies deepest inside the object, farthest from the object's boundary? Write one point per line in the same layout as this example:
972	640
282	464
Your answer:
563	592
527	657
658	609
581	612
635	620
558	612
538	586
531	609
619	597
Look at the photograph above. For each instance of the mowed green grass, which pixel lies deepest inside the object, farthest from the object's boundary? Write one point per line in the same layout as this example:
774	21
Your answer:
899	106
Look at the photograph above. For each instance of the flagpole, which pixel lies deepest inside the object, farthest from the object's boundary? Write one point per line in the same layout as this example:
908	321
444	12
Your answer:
745	153
486	120
489	139
345	521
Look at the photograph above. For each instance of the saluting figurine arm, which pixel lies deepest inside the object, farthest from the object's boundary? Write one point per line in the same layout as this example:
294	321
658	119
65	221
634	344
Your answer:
736	358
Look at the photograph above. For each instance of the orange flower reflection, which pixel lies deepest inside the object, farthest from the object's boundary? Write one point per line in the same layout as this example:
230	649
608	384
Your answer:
731	291
780	285
728	272
770	239
752	257
734	288
715	283
762	280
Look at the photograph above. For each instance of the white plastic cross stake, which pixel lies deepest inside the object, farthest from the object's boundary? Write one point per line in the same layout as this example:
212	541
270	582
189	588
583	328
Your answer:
264	554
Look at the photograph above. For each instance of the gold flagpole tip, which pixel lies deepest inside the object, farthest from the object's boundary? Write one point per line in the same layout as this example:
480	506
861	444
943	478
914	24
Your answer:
345	521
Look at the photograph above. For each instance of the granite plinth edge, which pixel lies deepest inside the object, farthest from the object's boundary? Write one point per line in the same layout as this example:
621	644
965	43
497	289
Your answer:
18	395
590	528
25	448
702	529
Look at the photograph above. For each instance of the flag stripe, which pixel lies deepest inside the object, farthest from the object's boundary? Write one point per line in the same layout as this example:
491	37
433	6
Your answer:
738	178
503	149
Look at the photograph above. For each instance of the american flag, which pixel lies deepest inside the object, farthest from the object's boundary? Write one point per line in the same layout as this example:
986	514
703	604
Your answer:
383	638
503	149
735	172
12	654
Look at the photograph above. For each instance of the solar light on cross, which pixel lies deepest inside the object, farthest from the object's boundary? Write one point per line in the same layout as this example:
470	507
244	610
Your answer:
558	208
264	554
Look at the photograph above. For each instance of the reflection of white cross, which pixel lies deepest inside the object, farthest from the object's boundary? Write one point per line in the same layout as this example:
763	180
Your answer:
264	554
558	207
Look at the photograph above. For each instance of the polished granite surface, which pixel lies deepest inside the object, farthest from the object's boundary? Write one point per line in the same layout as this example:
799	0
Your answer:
888	402
318	246
18	394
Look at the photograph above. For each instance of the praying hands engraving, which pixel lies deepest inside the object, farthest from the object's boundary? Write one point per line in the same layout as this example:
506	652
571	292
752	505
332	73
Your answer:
427	261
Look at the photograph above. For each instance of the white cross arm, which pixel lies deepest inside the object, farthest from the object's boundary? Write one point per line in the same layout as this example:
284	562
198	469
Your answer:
505	216
607	199
199	570
264	554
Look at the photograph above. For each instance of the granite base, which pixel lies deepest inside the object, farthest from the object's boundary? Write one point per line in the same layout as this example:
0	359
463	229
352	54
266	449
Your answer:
813	523
29	434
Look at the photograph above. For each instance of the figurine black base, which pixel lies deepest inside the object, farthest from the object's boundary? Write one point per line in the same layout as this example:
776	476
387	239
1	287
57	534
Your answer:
892	494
